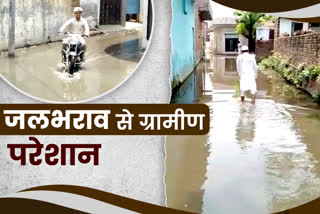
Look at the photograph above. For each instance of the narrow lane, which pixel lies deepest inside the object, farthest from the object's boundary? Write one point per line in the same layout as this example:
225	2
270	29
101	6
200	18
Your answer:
37	70
260	158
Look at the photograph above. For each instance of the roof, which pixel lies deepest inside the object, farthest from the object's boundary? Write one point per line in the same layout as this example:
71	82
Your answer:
204	9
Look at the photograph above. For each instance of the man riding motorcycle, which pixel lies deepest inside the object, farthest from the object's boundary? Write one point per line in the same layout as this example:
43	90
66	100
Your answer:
76	25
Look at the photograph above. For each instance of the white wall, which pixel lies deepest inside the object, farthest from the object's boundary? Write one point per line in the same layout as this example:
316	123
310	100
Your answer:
143	9
286	26
37	21
219	38
243	40
91	11
144	19
263	33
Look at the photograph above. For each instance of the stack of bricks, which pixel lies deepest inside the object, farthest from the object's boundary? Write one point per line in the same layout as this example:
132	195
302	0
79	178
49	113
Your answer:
303	49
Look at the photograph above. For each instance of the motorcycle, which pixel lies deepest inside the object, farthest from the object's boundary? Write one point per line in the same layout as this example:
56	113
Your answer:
73	53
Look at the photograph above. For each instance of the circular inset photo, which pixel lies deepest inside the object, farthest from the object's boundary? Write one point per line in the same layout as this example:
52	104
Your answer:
74	50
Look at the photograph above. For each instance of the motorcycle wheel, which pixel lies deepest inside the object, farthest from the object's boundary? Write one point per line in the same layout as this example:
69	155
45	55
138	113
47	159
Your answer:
72	65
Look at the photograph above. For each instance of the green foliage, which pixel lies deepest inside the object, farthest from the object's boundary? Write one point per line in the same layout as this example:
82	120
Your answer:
242	29
317	97
299	76
314	72
247	23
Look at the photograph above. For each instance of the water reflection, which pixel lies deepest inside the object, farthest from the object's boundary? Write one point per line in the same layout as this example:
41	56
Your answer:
235	171
230	65
185	171
245	130
197	85
128	50
224	73
261	158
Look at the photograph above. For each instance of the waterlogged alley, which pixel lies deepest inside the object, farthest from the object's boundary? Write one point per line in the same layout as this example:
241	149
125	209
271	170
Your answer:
258	158
37	70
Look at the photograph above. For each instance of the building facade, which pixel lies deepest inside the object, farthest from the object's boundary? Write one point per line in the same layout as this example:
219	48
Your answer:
182	38
105	12
187	37
37	21
113	12
289	27
224	38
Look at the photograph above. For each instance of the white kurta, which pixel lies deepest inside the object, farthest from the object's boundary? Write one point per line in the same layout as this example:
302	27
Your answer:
76	27
247	69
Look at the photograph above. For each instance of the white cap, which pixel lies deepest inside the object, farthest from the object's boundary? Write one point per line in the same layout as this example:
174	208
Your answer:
244	48
77	9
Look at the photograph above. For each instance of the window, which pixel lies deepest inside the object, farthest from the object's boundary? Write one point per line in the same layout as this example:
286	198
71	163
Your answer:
296	26
314	25
231	40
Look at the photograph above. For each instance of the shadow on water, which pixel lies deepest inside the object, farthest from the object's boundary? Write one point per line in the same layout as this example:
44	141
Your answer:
128	50
260	158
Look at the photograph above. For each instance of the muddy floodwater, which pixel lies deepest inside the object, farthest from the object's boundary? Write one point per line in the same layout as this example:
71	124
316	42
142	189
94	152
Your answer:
37	70
260	158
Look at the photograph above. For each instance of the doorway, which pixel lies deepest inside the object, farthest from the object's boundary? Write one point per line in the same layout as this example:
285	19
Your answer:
133	10
110	11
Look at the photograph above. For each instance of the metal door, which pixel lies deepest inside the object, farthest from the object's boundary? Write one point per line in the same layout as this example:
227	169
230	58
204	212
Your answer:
110	11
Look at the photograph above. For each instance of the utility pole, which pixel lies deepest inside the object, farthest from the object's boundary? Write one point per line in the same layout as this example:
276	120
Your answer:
12	27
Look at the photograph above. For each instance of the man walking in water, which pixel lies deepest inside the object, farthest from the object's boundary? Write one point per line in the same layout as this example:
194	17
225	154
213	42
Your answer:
248	72
76	25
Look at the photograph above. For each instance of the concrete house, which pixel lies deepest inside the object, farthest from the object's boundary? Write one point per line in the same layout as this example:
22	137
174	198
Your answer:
187	36
224	39
289	27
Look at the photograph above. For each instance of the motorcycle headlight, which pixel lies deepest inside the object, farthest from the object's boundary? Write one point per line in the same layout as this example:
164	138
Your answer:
73	41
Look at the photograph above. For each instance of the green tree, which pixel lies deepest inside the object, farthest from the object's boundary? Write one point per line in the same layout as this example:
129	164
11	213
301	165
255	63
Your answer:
247	23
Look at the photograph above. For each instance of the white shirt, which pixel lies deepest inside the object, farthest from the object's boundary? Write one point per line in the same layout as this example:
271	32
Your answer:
76	27
247	69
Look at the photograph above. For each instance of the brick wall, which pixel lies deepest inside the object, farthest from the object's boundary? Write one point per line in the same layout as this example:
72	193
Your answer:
264	48
300	49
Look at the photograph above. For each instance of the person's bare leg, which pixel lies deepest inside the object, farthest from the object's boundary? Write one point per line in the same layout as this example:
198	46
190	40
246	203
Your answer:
253	96
242	95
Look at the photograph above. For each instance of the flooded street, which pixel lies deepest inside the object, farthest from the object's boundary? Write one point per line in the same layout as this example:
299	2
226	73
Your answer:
261	158
37	70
